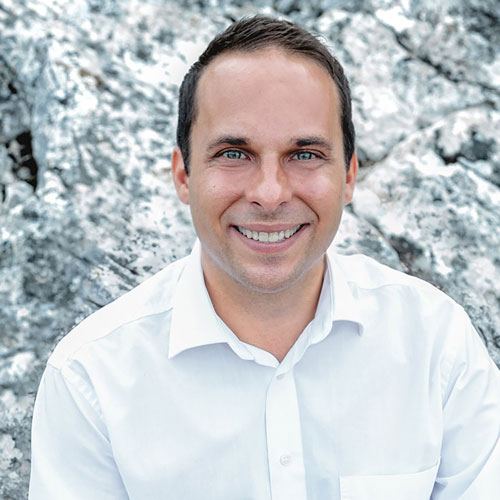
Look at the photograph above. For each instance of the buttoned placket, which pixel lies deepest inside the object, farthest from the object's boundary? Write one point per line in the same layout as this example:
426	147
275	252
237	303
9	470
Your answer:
285	453
284	439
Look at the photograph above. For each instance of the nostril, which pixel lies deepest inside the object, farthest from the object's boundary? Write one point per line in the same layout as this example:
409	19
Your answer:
270	191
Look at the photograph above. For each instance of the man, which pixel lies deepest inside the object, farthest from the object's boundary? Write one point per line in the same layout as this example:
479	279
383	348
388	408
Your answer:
259	367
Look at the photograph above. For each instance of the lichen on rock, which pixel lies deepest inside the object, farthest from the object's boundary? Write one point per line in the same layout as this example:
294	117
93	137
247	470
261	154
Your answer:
87	123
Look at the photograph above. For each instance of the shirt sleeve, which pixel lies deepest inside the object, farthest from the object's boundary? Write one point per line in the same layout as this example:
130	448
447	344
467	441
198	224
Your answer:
470	452
71	456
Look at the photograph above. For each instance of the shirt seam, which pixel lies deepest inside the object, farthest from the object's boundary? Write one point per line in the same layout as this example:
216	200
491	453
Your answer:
451	361
71	356
77	383
419	286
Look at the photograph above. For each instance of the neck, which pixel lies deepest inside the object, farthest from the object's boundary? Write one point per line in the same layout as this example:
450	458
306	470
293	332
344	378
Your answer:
271	321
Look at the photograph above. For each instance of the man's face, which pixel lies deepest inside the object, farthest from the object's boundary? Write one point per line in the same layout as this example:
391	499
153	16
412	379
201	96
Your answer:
267	181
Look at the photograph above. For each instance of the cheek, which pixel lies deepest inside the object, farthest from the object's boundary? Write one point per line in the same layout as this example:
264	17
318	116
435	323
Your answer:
322	191
224	185
211	194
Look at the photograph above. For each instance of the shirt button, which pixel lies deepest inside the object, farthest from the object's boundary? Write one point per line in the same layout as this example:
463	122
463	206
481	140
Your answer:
281	376
285	460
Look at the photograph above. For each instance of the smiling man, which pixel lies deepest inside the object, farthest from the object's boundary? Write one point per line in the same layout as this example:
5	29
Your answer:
267	186
261	366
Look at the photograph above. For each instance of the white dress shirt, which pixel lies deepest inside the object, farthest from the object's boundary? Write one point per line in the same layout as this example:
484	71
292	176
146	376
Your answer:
388	393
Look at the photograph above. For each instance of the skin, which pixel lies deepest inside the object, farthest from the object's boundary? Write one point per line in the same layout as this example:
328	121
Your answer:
266	155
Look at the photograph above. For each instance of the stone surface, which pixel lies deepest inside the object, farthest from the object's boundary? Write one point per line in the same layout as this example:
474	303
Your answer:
87	123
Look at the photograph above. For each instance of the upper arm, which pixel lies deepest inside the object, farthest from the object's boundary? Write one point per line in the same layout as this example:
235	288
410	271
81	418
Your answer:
71	452
470	454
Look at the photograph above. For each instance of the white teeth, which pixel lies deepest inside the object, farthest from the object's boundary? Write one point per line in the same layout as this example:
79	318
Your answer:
268	237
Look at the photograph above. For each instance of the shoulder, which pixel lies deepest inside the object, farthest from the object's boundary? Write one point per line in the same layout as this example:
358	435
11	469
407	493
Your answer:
152	297
410	305
409	315
365	273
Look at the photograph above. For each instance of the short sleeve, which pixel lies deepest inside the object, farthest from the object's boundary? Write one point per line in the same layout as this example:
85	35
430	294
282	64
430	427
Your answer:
470	456
71	452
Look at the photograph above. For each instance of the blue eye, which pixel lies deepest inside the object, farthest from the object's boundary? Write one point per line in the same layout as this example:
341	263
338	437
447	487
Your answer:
304	156
234	154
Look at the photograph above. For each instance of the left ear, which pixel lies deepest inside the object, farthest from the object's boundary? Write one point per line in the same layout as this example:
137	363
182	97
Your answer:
350	179
180	177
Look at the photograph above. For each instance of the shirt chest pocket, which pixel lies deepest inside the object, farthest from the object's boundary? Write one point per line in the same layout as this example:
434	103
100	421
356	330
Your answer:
417	486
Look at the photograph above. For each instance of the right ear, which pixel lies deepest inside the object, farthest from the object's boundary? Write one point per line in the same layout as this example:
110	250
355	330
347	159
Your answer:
180	177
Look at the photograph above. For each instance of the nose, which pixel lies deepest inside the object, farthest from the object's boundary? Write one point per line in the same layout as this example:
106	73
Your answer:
270	186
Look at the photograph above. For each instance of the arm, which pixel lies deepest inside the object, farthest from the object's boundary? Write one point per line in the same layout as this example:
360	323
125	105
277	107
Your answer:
470	457
71	452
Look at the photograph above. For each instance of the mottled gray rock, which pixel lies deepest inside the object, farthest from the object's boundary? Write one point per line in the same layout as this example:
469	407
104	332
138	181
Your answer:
436	200
397	85
356	235
87	120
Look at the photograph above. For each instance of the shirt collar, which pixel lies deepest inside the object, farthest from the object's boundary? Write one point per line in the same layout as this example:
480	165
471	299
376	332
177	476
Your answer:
346	303
195	322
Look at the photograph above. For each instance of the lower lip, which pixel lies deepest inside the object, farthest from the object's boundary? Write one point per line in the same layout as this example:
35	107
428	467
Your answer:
277	247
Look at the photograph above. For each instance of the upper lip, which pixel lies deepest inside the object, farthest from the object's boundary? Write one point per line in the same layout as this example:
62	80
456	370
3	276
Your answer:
274	228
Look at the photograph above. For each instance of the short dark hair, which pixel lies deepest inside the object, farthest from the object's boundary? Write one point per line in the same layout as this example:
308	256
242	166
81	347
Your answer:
251	34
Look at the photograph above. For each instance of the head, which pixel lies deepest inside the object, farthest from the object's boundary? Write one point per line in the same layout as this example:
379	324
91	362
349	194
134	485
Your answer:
264	134
253	34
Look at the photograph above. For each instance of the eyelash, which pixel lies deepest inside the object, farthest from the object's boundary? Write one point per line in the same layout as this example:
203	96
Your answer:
223	153
296	153
304	151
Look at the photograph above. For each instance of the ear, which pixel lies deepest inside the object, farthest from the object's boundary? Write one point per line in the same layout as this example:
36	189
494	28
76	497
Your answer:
180	177
350	179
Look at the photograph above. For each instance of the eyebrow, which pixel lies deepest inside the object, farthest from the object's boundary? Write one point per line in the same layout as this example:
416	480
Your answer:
299	142
312	141
229	139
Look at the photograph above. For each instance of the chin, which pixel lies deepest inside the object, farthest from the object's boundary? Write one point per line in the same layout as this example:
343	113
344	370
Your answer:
268	283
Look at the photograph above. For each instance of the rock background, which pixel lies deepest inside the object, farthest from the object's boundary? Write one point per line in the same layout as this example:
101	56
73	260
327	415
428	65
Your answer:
87	122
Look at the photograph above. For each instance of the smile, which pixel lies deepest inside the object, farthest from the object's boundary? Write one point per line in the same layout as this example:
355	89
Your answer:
264	237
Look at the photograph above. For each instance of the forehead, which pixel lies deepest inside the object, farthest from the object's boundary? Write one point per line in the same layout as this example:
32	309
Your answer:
266	89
